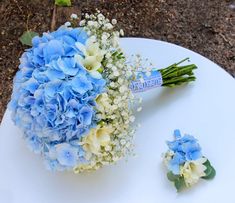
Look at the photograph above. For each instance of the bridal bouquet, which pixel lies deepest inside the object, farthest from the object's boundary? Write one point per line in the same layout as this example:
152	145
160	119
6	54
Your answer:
73	96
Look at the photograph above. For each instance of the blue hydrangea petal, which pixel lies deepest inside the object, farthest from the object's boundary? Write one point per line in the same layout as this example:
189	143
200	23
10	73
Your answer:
31	85
85	115
175	162
177	134
36	40
81	85
52	88
53	74
79	35
66	154
35	144
53	50
67	65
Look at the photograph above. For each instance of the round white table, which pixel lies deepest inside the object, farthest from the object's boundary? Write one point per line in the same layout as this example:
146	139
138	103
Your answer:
204	109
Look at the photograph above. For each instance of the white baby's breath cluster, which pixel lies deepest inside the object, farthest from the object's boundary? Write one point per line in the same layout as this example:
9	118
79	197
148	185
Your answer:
143	65
112	138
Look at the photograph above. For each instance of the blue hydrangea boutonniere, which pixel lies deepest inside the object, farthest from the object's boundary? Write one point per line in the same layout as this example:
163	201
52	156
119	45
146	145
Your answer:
185	162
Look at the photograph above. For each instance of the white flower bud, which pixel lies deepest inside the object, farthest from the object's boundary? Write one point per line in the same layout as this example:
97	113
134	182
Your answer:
67	24
114	21
108	55
74	16
123	141
108	26
123	88
87	16
82	23
139	109
90	23
132	119
116	73
121	32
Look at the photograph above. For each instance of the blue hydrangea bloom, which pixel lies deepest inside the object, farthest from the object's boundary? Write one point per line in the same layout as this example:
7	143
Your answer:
53	99
175	162
185	148
66	154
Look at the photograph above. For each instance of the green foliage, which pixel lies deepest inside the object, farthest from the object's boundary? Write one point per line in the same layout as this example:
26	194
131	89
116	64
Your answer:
180	184
26	37
210	171
63	2
177	180
172	177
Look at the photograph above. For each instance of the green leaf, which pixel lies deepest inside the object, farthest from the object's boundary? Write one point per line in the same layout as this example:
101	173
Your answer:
63	2
26	38
172	177
180	184
210	171
177	180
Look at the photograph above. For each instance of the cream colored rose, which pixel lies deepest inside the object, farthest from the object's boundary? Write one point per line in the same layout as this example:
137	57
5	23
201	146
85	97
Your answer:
97	138
192	171
93	57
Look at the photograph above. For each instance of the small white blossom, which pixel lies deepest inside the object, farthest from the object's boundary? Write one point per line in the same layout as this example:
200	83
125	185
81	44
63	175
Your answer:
87	16
139	109
114	21
123	88
101	17
108	148
74	16
132	119
108	55
116	73
67	24
123	141
112	84
90	23
108	26
82	22
121	32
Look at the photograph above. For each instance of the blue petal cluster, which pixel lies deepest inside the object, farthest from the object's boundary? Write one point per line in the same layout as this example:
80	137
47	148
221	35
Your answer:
53	98
185	148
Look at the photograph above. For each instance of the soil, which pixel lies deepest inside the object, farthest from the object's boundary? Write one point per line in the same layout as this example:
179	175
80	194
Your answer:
204	26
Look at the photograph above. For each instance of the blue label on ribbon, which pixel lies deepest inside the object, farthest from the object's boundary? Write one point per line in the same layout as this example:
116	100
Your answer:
144	82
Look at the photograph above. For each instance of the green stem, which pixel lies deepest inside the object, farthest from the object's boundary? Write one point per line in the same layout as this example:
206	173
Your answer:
175	75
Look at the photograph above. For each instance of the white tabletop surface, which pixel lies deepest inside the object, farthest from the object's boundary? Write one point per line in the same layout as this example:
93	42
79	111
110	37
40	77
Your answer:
204	108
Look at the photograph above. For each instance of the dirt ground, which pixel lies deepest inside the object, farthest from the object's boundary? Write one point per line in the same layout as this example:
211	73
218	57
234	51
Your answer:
204	26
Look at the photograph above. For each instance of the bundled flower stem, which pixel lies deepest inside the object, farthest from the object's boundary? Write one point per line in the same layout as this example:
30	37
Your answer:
175	74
